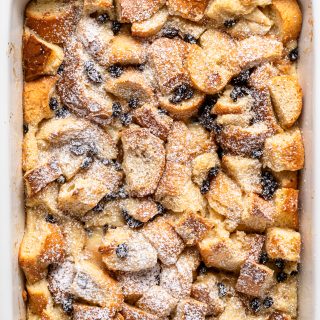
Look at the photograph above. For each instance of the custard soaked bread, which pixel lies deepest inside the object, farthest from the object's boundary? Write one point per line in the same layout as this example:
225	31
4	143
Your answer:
161	154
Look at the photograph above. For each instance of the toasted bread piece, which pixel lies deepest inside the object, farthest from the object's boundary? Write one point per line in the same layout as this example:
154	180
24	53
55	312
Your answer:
283	243
286	203
191	10
131	84
245	171
287	18
186	26
168	59
256	50
279	315
184	109
42	244
134	284
41	176
143	162
140	253
133	313
151	26
53	20
40	57
286	95
97	181
54	313
284	151
101	6
201	166
93	285
168	243
36	97
262	75
30	154
258	214
131	10
85	312
255	279
287	179
149	117
243	140
158	301
140	209
38	296
225	197
191	309
191	228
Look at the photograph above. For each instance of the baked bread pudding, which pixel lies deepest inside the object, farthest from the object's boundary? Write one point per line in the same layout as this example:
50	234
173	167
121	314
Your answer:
161	154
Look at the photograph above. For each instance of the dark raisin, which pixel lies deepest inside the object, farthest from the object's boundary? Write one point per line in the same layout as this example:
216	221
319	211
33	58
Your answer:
130	221
110	196
67	305
115	70
122	193
60	69
51	219
255	304
294	273
294	54
280	264
202	269
62	112
25	128
122	251
115	27
53	104
86	163
77	148
263	259
213	172
220	152
257	154
160	208
116	109
242	78
133	103
181	93
116	164
282	276
230	23
238	92
163	112
157	278
268	302
205	187
102	18
62	179
190	38
206	119
222	289
170	32
93	74
126	119
99	207
269	185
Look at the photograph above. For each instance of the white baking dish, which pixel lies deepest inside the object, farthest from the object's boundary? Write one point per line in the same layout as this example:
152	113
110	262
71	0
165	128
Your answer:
11	195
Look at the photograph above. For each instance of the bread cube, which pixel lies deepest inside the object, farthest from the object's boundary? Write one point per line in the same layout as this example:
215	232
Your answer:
283	243
190	309
30	154
234	310
201	166
101	6
262	75
132	313
191	10
85	312
287	179
38	296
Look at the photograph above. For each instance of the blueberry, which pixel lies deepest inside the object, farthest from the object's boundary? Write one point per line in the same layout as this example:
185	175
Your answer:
133	103
294	54
62	112
282	276
116	164
51	219
190	38
122	251
86	163
77	148
181	93
202	269
62	179
116	109
126	119
115	27
93	74
130	221
67	305
242	78
263	259
53	104
255	304
222	289
257	154
60	69
25	128
102	18
280	264
268	302
115	70
230	23
170	32
269	185
238	92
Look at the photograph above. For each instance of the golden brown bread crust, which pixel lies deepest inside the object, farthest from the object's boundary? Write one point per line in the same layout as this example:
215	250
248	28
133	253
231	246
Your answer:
192	10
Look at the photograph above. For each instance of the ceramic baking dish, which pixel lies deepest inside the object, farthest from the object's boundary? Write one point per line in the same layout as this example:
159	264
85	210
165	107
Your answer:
11	191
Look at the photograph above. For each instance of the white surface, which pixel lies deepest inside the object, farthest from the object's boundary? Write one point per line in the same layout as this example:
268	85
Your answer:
11	200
